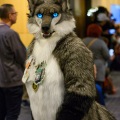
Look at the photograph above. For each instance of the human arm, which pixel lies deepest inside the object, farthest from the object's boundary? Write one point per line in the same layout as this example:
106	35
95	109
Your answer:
17	48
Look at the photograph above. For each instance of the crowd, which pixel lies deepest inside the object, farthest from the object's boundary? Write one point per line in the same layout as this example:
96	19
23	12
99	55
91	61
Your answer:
105	46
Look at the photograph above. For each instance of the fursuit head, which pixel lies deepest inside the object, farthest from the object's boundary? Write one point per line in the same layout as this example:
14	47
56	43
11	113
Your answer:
59	68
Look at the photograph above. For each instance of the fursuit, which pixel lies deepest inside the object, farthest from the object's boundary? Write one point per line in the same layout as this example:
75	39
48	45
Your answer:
59	68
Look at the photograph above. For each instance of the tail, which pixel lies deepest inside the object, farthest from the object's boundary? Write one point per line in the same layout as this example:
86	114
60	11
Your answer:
103	113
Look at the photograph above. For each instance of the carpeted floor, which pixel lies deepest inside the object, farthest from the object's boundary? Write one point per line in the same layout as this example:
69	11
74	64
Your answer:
113	101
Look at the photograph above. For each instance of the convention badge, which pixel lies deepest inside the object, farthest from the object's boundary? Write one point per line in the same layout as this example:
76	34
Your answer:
26	73
28	62
35	86
27	65
37	81
40	74
25	76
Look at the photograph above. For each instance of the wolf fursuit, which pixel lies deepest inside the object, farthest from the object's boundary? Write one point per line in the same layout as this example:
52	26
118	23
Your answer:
59	68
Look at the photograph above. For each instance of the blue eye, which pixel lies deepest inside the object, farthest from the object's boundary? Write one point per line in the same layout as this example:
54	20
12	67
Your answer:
55	15
39	15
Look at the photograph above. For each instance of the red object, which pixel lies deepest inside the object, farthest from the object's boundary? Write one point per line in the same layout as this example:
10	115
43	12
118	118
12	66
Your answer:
94	30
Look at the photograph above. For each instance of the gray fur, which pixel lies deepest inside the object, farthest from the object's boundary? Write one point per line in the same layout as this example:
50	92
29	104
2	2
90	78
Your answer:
77	68
76	62
35	3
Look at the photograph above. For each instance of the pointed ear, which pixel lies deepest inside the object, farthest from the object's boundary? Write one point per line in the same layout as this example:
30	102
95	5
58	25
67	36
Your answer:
38	2
32	4
64	3
31	7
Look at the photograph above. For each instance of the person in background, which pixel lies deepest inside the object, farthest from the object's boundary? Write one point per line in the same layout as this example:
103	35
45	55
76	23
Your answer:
118	30
99	97
117	34
25	98
12	59
99	49
115	59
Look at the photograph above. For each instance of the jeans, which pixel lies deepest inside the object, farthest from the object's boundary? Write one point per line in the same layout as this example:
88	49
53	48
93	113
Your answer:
10	102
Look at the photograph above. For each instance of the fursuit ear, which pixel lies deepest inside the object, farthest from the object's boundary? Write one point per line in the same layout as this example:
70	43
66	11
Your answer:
32	5
64	3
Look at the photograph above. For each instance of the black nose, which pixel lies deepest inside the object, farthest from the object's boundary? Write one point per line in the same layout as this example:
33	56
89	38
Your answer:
45	28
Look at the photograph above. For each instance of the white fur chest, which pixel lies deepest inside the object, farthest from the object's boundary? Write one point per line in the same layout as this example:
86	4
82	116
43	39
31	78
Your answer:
46	101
